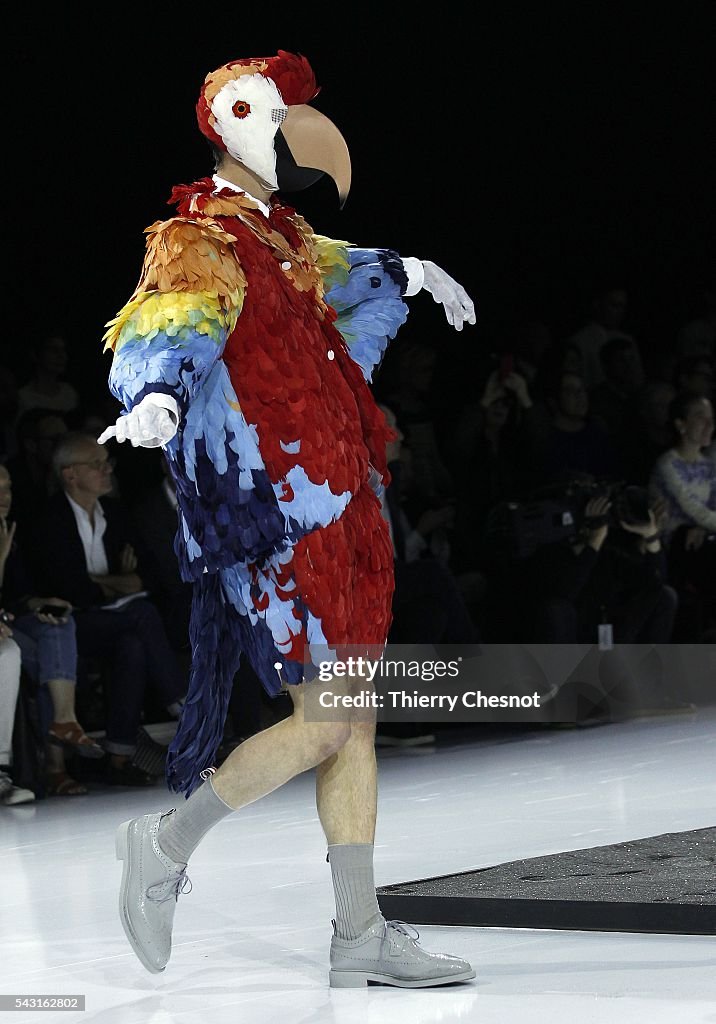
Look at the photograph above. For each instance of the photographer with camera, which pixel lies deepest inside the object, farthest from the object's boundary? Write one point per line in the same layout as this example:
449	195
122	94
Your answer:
607	585
612	572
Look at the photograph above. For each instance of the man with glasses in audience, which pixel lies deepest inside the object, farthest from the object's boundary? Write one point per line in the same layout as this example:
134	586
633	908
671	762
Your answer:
86	553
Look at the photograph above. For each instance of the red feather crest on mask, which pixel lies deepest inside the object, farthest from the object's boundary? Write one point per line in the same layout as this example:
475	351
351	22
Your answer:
291	72
293	76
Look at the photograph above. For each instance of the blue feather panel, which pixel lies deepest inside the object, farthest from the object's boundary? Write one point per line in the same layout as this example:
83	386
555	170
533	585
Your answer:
216	652
229	511
370	305
222	631
177	362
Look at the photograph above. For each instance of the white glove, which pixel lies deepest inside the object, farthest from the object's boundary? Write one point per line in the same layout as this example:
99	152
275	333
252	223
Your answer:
151	423
459	307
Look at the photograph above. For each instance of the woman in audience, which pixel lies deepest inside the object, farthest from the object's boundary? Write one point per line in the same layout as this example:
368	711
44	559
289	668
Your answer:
10	794
685	477
44	630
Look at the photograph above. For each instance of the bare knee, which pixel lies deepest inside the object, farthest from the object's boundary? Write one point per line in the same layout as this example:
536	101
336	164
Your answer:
321	738
326	738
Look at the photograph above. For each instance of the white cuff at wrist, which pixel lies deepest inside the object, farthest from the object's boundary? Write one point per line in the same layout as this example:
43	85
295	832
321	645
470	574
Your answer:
415	270
162	401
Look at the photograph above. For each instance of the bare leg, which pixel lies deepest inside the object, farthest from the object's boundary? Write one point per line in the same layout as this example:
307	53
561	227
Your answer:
346	798
56	769
55	759
64	726
347	788
347	781
267	760
62	692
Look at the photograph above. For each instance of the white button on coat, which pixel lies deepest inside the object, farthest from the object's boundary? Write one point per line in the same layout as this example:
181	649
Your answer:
286	265
331	354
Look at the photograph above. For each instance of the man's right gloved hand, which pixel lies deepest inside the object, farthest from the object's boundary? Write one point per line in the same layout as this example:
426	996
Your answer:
151	423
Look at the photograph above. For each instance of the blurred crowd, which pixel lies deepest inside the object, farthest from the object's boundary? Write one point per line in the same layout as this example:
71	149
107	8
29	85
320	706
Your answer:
567	495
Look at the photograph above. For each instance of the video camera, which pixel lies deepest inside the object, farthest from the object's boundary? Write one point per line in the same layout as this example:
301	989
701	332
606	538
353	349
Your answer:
558	513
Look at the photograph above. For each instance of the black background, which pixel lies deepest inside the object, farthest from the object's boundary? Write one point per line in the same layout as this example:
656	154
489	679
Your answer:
525	151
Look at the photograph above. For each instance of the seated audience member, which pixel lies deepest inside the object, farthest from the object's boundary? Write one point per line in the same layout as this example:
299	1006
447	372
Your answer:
427	487
47	387
33	480
492	461
612	573
626	582
695	374
44	630
574	443
606	320
607	314
428	607
10	668
84	552
102	411
684	476
561	357
429	483
650	432
427	603
698	336
612	401
532	342
8	413
710	452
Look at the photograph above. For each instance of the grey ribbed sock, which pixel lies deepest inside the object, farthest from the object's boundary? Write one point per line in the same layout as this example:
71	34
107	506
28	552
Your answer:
183	829
353	883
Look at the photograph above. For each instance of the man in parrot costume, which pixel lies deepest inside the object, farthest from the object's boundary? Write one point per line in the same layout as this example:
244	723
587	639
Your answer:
246	352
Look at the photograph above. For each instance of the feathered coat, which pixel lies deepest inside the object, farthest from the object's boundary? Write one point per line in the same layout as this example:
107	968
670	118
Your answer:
266	334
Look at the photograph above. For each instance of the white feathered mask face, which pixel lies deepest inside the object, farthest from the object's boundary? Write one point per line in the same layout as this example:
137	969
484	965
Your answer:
247	114
258	110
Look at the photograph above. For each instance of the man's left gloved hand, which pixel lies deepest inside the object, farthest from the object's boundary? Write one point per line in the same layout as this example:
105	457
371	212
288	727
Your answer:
459	307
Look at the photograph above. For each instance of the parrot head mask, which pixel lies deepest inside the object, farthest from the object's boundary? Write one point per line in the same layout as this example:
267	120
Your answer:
256	109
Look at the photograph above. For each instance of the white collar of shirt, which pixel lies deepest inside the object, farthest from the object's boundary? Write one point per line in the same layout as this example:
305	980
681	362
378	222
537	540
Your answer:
91	536
223	183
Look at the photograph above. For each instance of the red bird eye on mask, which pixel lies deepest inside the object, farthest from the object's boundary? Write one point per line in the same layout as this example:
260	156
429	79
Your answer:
241	108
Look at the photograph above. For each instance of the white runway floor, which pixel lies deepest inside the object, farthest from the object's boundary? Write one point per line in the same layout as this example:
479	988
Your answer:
251	939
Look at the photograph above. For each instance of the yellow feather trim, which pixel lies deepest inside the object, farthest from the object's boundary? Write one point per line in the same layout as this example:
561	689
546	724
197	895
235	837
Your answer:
331	254
148	313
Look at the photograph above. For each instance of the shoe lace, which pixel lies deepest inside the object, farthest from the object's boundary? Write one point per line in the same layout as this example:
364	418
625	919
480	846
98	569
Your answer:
177	887
403	927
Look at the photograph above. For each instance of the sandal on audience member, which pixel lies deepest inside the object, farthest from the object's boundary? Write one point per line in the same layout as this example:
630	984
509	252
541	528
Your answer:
72	736
61	784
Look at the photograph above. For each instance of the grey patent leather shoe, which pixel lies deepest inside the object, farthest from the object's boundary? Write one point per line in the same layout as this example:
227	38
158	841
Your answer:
388	953
150	887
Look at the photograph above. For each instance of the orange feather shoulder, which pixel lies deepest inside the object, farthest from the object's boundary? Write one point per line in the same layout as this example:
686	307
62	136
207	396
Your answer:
191	254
